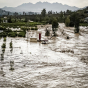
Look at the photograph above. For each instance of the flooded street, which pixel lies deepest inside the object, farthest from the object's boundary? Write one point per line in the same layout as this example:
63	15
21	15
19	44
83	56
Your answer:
63	63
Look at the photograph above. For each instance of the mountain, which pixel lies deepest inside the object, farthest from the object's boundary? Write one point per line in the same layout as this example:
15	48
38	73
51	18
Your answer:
3	12
27	7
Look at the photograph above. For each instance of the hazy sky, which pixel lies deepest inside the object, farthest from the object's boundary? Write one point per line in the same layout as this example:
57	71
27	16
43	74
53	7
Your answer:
14	3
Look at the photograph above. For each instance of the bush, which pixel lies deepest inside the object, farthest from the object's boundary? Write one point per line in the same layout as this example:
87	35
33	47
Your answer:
2	56
4	45
3	34
32	28
11	44
4	38
83	24
36	28
76	26
21	34
47	33
23	28
3	50
12	34
67	21
2	28
8	30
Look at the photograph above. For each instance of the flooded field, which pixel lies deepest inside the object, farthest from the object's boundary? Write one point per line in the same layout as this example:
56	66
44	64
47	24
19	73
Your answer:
63	63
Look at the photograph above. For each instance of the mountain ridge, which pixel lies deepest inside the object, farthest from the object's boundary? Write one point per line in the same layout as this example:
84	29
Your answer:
37	7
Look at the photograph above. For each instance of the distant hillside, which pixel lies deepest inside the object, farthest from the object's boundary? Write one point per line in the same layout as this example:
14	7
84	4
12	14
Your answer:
3	12
27	7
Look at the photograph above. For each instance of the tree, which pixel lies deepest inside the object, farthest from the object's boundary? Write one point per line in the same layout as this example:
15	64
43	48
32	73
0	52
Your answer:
54	26
26	19
43	13
67	21
61	15
0	20
47	19
77	26
50	20
49	12
47	33
9	20
37	19
75	20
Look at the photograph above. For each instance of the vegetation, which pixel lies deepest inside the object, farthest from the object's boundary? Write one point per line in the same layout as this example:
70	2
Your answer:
4	38
21	34
67	21
11	65
3	50
9	20
12	34
83	24
54	26
43	13
47	33
2	28
2	56
11	50
4	45
11	45
77	26
34	28
30	22
20	24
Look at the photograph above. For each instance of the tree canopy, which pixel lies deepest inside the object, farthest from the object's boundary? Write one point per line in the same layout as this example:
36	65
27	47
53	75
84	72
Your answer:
43	13
67	21
54	26
55	23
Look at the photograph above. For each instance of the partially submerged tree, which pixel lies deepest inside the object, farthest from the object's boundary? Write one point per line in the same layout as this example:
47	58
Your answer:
67	21
47	33
54	26
75	21
77	26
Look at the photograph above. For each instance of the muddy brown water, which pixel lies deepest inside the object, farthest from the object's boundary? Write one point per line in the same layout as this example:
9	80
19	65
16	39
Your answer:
60	64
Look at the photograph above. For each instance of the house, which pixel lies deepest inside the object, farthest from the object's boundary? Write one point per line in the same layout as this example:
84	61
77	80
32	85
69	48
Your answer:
33	39
5	20
86	19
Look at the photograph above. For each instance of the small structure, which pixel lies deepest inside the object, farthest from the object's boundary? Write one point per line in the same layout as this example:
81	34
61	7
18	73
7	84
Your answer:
5	20
1	31
30	21
86	19
33	39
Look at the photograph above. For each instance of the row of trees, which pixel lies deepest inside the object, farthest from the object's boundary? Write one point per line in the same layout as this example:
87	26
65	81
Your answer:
69	18
73	21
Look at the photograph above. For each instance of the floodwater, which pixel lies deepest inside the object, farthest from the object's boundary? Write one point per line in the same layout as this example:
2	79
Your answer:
63	63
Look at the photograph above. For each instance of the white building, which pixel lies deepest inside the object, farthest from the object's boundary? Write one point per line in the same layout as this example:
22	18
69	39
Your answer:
5	20
86	19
